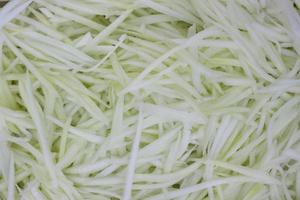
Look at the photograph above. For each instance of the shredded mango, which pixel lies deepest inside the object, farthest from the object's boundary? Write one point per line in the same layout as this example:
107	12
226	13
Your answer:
150	99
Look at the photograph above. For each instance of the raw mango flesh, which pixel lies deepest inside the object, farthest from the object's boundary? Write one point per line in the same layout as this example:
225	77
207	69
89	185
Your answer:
150	100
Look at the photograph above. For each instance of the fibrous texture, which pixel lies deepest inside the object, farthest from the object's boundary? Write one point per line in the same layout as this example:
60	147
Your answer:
150	99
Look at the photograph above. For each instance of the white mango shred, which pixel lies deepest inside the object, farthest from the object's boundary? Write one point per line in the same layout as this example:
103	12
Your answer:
150	99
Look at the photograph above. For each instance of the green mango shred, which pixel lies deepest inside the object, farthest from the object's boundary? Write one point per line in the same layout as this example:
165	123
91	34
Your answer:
150	99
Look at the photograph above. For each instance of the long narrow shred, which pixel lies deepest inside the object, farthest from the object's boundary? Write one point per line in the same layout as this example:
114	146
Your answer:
133	158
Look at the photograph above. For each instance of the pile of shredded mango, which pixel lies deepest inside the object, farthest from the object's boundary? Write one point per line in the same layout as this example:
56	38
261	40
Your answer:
150	99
